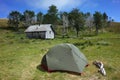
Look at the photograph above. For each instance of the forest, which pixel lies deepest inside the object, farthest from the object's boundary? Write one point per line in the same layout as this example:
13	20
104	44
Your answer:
75	19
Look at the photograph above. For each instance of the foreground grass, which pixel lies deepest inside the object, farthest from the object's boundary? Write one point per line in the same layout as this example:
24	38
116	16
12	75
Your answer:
20	57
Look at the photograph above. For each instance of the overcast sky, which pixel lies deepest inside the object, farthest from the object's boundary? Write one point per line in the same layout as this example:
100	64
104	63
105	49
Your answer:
111	7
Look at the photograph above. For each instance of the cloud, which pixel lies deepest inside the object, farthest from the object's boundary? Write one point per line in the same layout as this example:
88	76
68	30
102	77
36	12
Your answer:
116	1
61	4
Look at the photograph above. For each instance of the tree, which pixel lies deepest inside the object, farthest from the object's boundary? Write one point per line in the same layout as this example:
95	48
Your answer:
105	19
97	20
76	19
86	15
14	19
110	21
64	18
52	15
89	21
39	17
29	17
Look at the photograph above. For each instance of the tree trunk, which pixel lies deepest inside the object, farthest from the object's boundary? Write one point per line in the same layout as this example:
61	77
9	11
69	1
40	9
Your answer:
77	33
16	27
96	29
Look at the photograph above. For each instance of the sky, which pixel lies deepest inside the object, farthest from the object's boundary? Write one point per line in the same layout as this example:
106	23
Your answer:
111	7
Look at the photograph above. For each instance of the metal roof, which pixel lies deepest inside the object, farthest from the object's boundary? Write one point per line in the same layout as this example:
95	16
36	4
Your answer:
36	28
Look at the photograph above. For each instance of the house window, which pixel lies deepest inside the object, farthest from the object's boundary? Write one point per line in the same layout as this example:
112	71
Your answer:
49	32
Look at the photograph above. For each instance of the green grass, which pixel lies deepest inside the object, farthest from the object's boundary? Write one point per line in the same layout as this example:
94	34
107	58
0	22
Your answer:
19	56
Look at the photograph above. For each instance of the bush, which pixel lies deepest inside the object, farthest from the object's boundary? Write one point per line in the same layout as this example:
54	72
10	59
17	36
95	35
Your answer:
103	43
83	44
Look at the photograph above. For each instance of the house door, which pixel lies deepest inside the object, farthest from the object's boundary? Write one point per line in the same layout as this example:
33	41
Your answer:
42	34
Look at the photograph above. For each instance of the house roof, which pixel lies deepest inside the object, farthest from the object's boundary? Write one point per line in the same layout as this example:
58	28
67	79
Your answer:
36	28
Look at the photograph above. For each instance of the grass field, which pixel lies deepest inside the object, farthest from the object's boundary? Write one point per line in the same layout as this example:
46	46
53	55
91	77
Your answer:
3	22
20	57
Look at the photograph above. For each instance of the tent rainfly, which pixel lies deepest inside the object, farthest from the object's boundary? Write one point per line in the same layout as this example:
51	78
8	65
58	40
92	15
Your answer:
64	57
44	31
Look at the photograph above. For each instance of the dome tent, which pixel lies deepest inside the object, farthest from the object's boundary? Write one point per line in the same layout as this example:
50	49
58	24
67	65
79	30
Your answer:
64	57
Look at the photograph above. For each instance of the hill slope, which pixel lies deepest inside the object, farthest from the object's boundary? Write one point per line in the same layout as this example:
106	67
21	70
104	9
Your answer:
3	22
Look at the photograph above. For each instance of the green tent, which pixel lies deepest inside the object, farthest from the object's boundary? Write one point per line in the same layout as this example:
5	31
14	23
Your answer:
64	57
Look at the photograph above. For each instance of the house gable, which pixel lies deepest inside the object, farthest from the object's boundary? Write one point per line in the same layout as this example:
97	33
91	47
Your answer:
40	31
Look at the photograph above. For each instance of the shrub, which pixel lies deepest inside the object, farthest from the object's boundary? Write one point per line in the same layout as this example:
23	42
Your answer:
103	43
